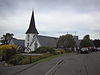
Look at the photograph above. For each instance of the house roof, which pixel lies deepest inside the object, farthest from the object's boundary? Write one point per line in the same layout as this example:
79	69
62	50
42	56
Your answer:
47	41
18	42
32	27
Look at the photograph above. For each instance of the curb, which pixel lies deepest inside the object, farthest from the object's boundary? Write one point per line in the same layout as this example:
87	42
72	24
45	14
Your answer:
24	69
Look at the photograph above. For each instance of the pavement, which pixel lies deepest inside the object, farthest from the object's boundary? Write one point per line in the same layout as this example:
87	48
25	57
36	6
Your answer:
71	64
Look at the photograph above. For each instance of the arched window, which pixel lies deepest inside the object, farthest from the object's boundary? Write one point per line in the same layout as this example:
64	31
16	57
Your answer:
35	45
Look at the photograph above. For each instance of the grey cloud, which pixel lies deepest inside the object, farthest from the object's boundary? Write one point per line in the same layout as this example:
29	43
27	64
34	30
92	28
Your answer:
79	5
10	7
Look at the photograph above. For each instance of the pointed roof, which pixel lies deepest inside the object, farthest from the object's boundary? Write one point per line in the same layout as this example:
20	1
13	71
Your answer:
32	28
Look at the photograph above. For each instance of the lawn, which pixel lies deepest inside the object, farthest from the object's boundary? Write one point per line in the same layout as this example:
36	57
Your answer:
49	58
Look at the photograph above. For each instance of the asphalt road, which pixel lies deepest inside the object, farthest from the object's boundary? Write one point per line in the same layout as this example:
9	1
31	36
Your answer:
73	64
81	64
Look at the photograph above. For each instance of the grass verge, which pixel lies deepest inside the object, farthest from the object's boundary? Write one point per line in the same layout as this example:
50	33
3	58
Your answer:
49	58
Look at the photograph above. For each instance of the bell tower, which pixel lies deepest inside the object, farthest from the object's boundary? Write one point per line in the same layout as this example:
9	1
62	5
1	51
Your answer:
30	33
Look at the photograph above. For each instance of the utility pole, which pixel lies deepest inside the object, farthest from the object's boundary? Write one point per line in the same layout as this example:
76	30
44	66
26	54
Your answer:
30	59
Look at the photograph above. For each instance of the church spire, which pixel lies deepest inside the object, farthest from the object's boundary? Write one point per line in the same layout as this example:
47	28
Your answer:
32	28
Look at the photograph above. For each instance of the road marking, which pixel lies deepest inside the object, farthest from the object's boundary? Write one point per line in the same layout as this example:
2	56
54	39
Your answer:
86	69
54	68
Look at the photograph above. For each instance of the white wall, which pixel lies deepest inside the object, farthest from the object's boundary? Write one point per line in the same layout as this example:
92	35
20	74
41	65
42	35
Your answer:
30	41
33	45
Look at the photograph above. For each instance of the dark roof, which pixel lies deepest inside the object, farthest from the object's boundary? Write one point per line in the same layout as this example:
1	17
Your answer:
47	41
18	42
32	28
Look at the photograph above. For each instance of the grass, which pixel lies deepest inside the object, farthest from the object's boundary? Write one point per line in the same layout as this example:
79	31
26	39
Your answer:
49	58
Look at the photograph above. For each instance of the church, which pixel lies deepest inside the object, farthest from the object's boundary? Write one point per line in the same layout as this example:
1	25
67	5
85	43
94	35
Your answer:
33	40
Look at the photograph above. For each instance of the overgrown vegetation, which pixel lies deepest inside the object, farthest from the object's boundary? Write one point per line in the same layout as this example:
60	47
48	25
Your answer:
20	59
7	52
11	56
45	50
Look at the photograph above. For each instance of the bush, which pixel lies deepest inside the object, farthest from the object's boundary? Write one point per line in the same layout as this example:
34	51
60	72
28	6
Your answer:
21	60
16	60
7	51
69	51
59	51
25	60
44	50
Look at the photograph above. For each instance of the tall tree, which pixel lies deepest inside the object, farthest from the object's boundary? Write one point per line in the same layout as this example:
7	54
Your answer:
86	42
96	42
5	39
66	41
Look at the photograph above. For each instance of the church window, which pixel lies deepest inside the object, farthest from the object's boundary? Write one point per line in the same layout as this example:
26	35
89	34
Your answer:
27	44
35	45
28	37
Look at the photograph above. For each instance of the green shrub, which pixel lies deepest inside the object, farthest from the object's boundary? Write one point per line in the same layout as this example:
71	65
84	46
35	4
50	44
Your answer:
68	51
25	60
59	51
16	60
7	51
45	50
20	59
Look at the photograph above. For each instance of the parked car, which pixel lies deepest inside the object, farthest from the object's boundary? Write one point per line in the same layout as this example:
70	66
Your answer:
98	48
92	49
84	50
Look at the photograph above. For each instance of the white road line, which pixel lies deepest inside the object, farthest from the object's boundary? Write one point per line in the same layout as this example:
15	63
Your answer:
50	72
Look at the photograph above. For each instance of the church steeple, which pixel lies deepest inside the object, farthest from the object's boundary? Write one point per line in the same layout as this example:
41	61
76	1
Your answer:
32	28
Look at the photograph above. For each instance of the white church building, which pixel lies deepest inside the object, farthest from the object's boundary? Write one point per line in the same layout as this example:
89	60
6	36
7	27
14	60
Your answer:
33	40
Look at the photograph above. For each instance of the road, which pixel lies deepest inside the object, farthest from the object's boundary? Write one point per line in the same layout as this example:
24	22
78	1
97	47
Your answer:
82	64
72	64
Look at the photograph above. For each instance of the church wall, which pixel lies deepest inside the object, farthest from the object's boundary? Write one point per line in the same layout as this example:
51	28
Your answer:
33	45
29	42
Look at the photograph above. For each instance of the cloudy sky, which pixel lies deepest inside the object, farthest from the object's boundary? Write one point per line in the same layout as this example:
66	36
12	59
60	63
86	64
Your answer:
53	17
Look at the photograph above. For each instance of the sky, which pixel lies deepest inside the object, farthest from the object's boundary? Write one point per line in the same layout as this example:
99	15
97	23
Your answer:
52	17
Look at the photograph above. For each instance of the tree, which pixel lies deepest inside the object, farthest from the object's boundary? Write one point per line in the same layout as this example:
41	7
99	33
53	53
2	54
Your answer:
86	42
66	41
5	39
96	42
44	49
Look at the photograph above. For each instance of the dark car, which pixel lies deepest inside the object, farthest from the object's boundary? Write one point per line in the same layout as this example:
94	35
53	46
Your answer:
84	50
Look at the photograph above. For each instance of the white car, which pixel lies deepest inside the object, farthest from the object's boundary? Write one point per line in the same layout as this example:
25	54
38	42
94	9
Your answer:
84	50
98	48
